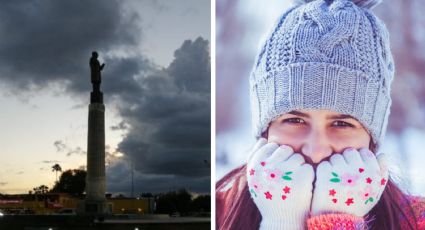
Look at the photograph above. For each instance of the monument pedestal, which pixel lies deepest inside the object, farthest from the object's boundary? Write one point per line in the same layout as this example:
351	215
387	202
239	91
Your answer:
95	208
95	202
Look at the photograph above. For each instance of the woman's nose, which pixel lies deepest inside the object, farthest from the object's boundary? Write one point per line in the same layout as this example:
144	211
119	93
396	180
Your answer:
316	146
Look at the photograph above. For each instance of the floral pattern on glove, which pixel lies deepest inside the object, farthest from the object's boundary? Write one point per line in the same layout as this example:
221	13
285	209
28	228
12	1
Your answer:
280	184
273	177
351	183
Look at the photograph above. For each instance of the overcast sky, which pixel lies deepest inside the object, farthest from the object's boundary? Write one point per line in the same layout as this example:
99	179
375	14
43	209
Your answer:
156	86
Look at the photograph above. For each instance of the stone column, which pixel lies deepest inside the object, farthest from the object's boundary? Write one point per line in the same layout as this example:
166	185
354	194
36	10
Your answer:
95	181
95	202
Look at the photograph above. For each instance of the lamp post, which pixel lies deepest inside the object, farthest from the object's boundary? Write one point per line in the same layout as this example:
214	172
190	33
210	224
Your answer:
132	179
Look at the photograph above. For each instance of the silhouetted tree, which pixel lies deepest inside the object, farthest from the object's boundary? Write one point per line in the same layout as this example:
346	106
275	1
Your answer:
120	196
42	189
146	194
201	204
170	202
72	182
56	168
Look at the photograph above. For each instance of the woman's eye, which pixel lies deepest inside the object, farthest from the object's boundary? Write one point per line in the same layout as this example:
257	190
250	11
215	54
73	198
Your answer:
293	120
342	124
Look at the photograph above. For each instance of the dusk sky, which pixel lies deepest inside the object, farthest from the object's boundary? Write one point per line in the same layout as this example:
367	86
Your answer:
156	86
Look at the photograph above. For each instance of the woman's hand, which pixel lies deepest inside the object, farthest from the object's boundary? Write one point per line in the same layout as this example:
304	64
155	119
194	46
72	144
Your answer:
350	183
280	184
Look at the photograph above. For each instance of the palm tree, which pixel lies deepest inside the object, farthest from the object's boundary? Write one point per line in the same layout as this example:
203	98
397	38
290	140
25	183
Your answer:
56	168
42	189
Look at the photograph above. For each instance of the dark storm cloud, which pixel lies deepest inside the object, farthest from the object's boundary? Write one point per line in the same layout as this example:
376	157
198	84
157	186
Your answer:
121	126
50	40
165	111
157	5
169	134
50	162
191	67
120	181
119	76
61	146
77	150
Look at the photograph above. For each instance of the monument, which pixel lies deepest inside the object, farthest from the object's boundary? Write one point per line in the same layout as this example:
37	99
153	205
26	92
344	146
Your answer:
95	202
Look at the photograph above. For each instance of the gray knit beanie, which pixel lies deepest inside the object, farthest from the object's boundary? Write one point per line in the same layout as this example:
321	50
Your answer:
325	54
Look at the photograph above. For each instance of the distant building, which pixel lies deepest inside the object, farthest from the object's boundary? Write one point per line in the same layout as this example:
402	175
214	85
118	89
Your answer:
51	203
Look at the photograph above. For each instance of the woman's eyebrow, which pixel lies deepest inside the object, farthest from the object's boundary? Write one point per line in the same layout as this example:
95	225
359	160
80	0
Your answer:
340	116
298	113
337	116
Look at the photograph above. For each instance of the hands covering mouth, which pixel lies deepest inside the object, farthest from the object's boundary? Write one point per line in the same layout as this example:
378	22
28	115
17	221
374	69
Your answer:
286	189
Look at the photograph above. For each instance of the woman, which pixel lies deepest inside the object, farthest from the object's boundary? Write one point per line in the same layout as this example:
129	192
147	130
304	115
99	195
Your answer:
320	99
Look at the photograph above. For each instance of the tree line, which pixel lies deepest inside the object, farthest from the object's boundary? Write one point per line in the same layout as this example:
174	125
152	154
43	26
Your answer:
73	182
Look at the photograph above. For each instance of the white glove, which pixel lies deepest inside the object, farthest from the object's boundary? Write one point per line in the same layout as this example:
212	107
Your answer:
350	183
280	184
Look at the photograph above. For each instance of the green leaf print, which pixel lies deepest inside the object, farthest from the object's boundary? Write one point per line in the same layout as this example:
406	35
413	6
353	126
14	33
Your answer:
253	192
335	180
369	200
286	178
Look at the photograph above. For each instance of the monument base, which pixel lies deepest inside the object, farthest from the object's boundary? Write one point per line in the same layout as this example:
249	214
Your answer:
94	208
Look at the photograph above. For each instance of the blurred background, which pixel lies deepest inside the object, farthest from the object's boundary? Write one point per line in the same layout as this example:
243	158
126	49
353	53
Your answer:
241	25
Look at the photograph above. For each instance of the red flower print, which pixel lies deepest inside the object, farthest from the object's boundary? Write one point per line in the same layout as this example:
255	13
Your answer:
361	170
366	193
334	200
283	197
257	186
273	175
287	189
263	163
251	172
368	180
383	181
332	192
349	179
349	201
268	195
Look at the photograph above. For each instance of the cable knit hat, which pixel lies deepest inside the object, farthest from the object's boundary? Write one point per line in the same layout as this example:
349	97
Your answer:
325	54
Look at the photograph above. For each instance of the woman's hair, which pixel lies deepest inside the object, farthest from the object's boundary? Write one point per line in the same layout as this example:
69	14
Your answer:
392	208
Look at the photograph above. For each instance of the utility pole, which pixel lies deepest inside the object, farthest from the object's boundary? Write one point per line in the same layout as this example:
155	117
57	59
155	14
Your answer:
132	184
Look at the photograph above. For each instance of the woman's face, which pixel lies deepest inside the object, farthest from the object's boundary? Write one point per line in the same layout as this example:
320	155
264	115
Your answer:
317	134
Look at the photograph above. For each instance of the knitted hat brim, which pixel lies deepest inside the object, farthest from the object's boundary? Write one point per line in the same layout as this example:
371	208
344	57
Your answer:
313	85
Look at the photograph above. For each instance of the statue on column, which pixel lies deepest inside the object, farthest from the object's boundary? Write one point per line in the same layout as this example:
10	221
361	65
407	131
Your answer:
95	68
